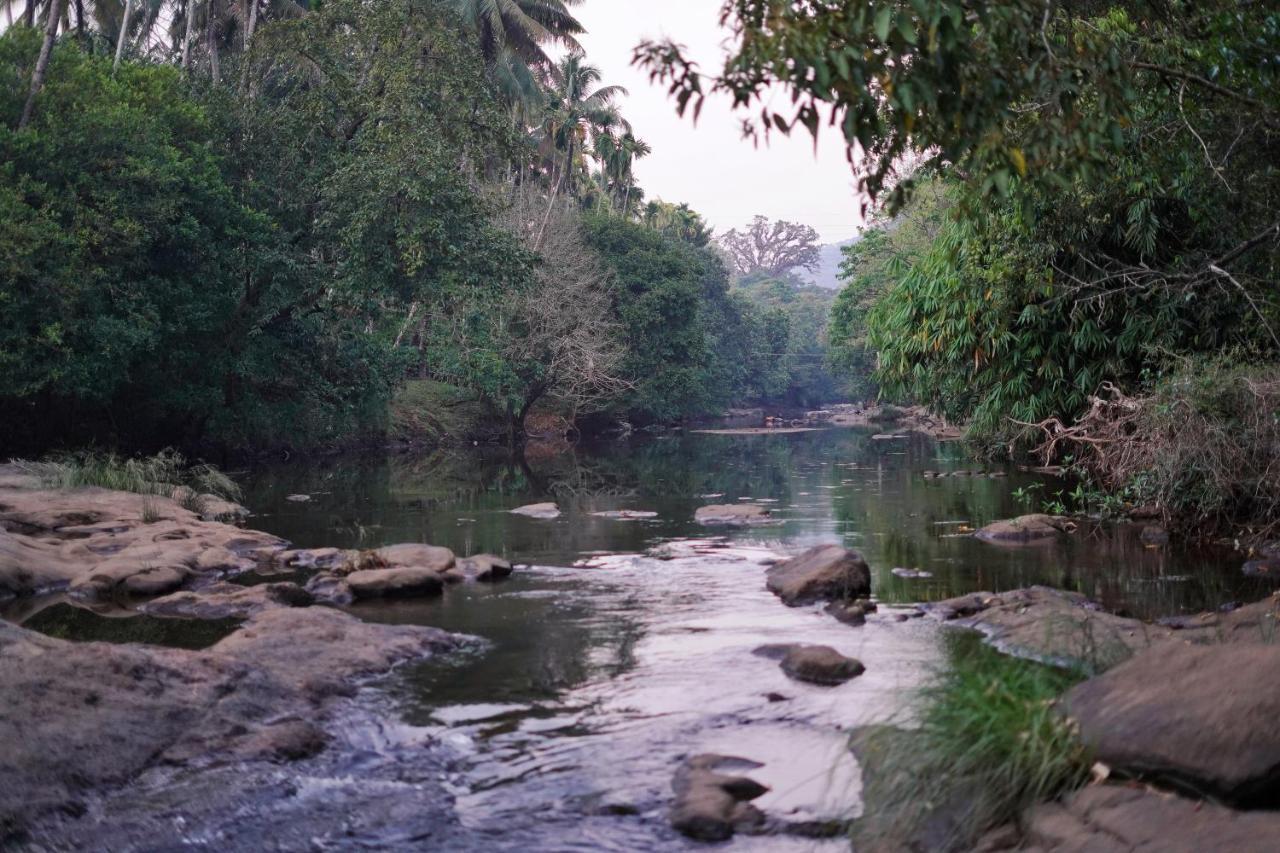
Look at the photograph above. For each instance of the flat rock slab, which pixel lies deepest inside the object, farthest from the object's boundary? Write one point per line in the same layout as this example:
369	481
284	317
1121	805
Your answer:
731	515
543	510
1051	626
397	582
228	601
1116	819
1194	716
1065	628
626	514
825	572
1025	530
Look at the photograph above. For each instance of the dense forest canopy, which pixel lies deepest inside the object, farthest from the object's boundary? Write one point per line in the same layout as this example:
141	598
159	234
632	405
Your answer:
248	224
1073	216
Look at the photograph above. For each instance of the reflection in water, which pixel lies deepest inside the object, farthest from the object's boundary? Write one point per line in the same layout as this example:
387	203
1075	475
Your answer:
834	485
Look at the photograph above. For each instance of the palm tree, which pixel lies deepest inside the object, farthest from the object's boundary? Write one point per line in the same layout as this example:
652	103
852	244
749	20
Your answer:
516	30
578	112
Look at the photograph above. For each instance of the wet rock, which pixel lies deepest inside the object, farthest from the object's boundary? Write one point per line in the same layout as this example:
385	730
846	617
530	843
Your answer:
543	510
321	651
330	589
820	665
1050	625
1153	535
731	515
486	568
314	558
228	601
221	561
1116	819
777	697
828	572
397	582
298	499
852	613
431	557
214	508
80	718
157	580
1265	567
709	804
1198	717
1025	530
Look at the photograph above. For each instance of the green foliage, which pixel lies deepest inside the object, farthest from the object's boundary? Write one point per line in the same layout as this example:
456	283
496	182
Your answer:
989	743
692	349
184	264
795	373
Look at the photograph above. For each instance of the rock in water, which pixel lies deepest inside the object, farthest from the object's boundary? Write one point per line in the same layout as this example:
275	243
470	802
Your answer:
825	572
397	582
820	665
486	568
1202	717
709	804
543	510
731	515
431	557
1025	530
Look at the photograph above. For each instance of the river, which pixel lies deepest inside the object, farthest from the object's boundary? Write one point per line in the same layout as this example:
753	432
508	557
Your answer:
606	662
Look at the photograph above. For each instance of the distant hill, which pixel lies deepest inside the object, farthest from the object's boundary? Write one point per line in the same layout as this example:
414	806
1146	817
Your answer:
828	272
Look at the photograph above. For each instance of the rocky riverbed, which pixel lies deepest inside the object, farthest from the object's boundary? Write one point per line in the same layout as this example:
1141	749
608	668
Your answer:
718	715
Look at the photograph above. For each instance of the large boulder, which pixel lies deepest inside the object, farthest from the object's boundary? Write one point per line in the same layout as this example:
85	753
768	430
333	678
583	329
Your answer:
486	568
397	582
1116	819
731	515
710	804
1026	530
1197	717
825	572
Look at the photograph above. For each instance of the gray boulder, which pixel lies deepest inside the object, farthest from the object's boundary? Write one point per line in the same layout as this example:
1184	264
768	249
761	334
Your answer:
1193	716
820	665
825	572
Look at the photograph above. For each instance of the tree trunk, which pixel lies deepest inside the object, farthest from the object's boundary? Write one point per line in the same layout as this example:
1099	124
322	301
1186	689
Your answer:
186	40
248	42
124	29
29	14
210	43
80	19
42	63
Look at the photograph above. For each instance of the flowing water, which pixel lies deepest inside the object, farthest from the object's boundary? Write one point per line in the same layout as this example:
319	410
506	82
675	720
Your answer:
607	662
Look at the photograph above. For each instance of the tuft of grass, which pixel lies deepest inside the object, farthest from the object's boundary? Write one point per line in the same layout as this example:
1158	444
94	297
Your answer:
150	511
166	474
988	743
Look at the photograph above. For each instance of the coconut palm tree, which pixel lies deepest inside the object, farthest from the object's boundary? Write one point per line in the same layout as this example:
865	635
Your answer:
518	29
578	111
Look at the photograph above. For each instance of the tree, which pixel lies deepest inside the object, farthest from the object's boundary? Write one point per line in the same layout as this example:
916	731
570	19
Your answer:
42	61
773	248
677	220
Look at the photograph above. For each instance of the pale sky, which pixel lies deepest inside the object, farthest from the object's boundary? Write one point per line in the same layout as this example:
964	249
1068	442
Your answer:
710	166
